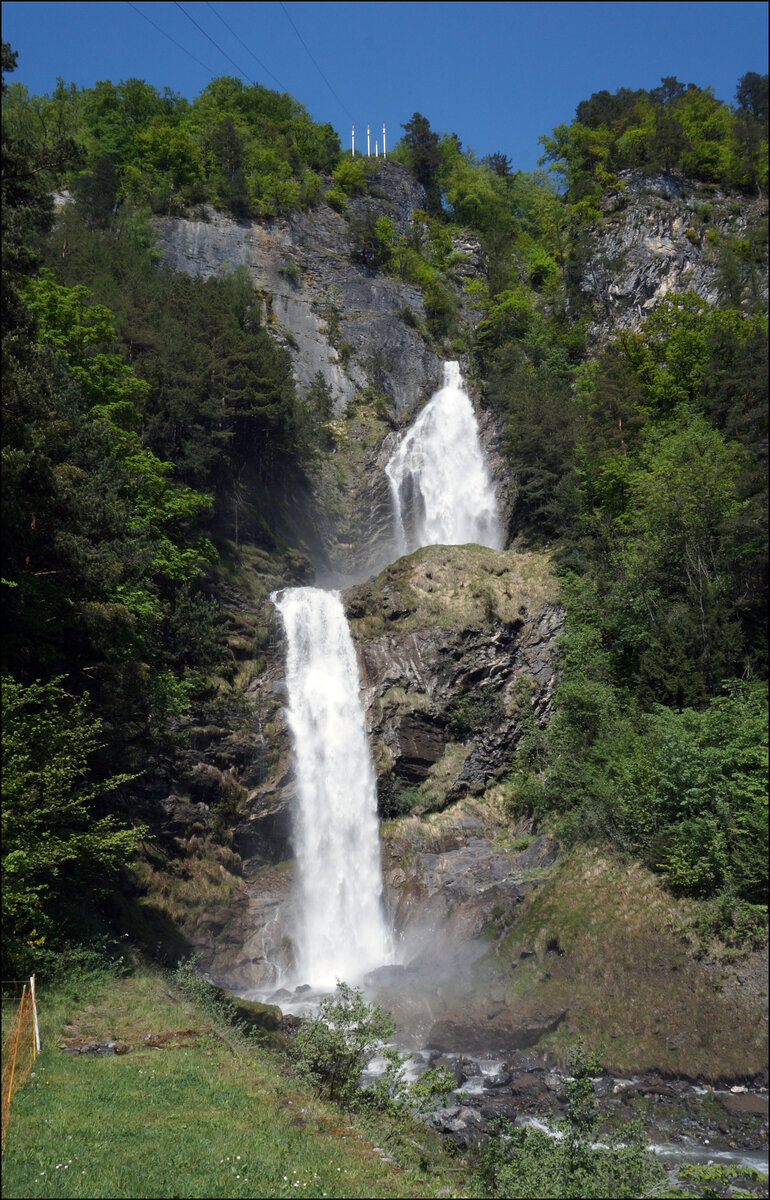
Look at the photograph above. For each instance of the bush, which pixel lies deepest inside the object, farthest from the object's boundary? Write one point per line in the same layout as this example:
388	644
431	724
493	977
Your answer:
333	1048
474	710
396	800
530	1163
350	175
335	198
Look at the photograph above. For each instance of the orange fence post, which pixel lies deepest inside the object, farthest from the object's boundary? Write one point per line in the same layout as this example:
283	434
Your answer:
19	1049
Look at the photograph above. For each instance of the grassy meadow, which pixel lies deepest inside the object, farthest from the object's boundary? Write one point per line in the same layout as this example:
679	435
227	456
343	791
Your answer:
210	1112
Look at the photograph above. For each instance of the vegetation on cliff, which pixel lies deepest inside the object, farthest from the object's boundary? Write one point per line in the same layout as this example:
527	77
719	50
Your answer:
153	430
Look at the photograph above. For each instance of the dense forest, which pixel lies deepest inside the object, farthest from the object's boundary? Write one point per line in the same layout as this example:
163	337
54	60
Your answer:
152	424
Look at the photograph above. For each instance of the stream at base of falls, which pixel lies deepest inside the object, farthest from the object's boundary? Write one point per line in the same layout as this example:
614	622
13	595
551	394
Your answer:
685	1123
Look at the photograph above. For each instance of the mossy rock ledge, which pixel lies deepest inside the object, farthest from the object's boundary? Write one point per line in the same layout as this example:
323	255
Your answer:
457	651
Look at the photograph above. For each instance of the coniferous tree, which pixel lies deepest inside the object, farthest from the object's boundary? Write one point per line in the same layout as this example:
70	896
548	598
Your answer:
424	150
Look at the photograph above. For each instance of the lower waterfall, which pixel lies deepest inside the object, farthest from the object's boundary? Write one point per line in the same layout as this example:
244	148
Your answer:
441	488
341	931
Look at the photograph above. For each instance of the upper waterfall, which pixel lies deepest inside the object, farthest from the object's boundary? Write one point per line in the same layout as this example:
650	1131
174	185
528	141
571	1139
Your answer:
341	931
441	488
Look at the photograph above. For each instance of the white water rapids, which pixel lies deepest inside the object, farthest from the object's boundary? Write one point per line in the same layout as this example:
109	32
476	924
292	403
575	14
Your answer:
441	489
341	932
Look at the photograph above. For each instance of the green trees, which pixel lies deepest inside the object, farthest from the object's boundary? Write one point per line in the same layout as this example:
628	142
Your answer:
100	570
58	854
650	477
674	127
247	149
698	783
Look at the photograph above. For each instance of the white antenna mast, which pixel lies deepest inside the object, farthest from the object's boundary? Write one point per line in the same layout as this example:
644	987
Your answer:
384	155
353	142
368	145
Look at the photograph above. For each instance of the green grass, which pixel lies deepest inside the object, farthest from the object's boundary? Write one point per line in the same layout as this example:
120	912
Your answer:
216	1116
456	588
611	948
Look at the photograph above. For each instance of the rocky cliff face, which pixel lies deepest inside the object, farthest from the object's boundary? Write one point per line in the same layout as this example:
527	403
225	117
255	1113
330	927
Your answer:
434	632
357	328
457	651
661	236
335	316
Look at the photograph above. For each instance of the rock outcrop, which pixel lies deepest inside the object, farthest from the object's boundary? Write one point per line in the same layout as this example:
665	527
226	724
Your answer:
360	330
457	652
661	235
334	315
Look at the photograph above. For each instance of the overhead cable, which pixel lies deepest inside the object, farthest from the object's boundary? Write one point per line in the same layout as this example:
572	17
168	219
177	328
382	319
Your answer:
168	35
240	71
315	64
246	48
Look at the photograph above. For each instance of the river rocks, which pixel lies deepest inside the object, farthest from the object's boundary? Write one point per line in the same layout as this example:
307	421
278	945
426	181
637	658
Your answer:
502	1079
462	1124
85	1046
395	976
745	1104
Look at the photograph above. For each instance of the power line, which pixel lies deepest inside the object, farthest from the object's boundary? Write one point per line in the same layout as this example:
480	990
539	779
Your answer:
168	35
246	48
315	64
241	72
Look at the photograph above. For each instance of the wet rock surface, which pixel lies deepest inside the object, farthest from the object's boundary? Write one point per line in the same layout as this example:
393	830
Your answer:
671	1110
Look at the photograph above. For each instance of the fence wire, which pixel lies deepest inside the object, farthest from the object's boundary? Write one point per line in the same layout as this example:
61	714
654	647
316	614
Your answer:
20	1045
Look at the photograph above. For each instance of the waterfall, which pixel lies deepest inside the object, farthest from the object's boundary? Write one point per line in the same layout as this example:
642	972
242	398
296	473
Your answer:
341	930
442	492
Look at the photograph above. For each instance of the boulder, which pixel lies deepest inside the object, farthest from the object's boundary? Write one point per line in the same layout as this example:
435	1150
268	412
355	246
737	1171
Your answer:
477	1027
464	1125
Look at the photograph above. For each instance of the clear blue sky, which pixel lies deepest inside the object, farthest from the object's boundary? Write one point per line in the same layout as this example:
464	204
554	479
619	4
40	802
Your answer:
497	74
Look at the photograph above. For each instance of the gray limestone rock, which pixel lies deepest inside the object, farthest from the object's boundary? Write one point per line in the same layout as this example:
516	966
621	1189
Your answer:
658	238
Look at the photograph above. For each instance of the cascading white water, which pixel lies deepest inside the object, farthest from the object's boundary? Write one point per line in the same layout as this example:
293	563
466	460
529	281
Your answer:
442	492
341	930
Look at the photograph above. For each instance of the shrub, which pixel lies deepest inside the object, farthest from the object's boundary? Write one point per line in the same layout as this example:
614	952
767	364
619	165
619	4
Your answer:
527	1162
335	198
333	1047
474	710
